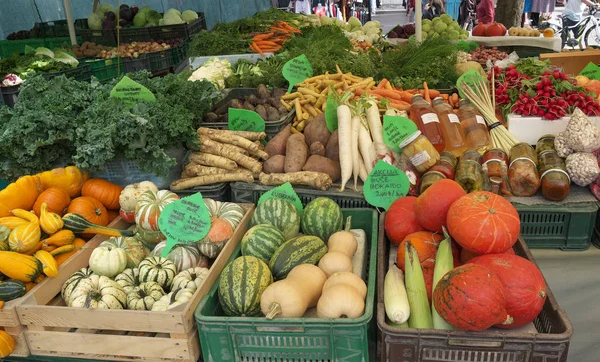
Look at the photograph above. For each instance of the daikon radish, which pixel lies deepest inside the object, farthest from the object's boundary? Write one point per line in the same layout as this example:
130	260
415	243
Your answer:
345	142
355	155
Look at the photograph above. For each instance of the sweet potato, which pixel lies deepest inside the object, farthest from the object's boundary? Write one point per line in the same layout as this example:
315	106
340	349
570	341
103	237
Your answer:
322	164
317	148
275	164
276	146
332	149
296	153
317	131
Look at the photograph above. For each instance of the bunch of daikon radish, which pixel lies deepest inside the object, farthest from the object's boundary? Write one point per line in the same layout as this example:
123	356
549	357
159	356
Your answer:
224	156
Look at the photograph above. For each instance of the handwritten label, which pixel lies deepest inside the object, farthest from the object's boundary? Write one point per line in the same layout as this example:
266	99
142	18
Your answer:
130	92
297	70
245	120
471	77
385	184
331	114
284	192
592	71
395	130
184	221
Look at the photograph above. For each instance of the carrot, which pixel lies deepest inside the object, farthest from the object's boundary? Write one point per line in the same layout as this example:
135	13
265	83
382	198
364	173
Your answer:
262	43
387	94
382	84
434	93
445	96
455	99
263	36
258	49
426	89
403	106
406	97
388	85
345	143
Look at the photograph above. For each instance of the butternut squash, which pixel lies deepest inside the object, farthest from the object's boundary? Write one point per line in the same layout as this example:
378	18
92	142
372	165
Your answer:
343	241
334	262
19	267
50	222
49	264
347	278
292	296
61	238
341	300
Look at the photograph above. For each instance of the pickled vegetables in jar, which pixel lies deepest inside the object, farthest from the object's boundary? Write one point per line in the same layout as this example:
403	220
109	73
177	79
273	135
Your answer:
420	151
556	183
469	175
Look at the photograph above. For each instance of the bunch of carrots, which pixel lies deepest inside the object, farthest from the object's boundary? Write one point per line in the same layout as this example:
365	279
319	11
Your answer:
272	41
402	99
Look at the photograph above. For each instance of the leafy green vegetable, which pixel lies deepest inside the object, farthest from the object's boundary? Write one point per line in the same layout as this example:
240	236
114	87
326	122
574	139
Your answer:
532	67
216	42
413	63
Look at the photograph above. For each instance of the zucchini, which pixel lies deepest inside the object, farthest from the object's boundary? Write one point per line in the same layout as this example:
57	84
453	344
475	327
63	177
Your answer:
79	225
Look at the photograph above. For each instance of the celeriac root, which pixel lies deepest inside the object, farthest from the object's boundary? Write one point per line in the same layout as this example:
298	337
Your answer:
206	141
188	183
208	159
226	137
242	160
317	180
252	136
192	169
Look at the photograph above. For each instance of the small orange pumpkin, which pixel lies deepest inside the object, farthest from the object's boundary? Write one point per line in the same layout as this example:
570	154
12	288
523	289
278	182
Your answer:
56	198
104	191
90	209
7	344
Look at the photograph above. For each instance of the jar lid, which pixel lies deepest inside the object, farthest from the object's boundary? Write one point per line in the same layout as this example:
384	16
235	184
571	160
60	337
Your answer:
438	100
410	138
547	136
416	96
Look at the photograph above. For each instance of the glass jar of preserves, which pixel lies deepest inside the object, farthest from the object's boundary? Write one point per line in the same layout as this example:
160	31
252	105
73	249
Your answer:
420	151
469	175
523	150
477	136
454	136
495	154
523	177
429	178
428	122
446	165
545	143
555	179
471	155
496	161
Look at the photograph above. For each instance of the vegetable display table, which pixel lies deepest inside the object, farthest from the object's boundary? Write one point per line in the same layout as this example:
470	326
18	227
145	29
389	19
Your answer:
553	43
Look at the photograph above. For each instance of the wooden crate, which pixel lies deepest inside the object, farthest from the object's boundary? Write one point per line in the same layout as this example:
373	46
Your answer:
9	319
572	63
60	331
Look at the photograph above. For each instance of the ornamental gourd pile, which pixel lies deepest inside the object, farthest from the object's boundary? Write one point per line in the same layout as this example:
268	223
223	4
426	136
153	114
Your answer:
483	285
277	274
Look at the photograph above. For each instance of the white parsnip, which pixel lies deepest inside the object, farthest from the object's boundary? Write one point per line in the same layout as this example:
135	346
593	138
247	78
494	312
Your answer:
345	143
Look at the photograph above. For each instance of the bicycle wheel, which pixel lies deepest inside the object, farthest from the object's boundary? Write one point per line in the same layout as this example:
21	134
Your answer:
592	34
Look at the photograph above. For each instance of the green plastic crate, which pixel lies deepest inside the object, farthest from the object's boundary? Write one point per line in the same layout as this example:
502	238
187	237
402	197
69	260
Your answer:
8	47
565	227
105	69
293	339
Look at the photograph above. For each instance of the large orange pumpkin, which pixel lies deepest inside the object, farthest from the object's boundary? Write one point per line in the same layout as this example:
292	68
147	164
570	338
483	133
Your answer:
57	200
424	242
466	255
104	191
433	204
484	223
7	344
69	178
90	208
20	194
400	220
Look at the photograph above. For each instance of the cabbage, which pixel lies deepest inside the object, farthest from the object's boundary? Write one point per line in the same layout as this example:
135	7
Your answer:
94	21
144	9
172	19
44	51
64	57
325	20
375	24
172	11
372	31
139	19
214	70
189	16
340	23
104	8
354	22
152	17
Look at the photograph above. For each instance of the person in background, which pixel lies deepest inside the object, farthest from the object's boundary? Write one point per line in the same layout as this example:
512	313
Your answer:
573	13
539	7
410	11
466	14
434	9
526	11
485	11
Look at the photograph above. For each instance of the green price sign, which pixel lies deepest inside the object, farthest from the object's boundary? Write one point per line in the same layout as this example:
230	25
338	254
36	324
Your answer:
592	71
331	114
245	120
131	92
184	221
284	192
385	184
297	70
395	130
471	78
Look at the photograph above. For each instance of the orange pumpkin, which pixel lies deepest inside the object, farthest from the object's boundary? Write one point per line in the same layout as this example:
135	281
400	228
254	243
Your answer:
7	344
20	194
104	191
91	209
426	244
57	200
69	178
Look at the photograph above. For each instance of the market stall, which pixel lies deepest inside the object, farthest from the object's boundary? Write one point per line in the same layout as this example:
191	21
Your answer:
307	188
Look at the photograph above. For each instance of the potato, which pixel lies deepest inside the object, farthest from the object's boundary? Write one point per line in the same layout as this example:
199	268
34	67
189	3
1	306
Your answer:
278	93
263	91
274	164
211	117
296	153
332	150
276	146
253	99
272	114
317	131
318	163
248	106
236	103
262	111
317	148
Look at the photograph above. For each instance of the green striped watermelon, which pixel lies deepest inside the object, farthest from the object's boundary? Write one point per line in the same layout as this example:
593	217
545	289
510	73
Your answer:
299	250
242	283
261	241
322	217
279	213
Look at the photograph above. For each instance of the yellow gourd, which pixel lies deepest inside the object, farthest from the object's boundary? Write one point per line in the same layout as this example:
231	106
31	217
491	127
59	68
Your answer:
343	241
12	222
291	297
50	222
334	262
349	279
20	267
341	300
49	264
24	237
61	238
24	214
